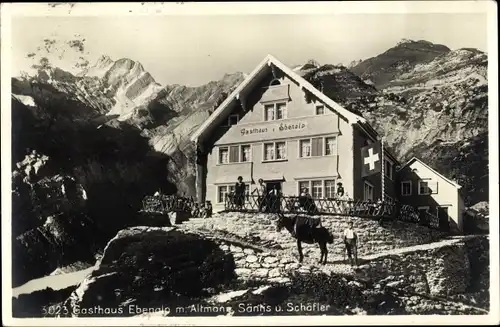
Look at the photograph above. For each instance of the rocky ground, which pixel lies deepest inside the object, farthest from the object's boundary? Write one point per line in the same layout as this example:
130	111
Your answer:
417	274
194	270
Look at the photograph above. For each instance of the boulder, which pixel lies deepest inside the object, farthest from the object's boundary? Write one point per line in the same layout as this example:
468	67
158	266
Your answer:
252	258
276	272
151	267
243	272
270	259
260	272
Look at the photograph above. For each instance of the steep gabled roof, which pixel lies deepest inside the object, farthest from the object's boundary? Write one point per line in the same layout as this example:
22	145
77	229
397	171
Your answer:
431	169
346	114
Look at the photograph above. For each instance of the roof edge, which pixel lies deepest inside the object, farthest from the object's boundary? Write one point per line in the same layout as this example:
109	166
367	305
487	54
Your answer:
269	59
458	186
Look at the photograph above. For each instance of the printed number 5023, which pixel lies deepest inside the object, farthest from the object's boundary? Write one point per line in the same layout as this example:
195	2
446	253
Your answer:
55	310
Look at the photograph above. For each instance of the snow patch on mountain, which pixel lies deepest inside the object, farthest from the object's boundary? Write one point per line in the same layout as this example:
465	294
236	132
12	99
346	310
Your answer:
25	99
100	68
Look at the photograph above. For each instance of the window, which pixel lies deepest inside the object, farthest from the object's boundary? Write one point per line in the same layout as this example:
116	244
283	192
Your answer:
368	191
320	110
423	188
269	112
305	148
329	189
221	194
223	190
280	150
246	151
275	111
311	147
224	155
233	120
406	188
274	151
280	111
235	154
317	189
388	169
269	151
330	146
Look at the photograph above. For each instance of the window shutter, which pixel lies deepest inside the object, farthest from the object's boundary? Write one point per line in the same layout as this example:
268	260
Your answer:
317	147
234	154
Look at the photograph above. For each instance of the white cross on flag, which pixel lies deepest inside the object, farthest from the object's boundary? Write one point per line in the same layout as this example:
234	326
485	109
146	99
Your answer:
370	156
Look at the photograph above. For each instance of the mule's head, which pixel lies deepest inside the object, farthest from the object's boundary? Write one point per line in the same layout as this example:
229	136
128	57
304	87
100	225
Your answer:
280	223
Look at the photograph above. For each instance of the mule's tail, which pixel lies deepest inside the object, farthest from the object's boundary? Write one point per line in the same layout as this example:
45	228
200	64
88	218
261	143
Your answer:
330	238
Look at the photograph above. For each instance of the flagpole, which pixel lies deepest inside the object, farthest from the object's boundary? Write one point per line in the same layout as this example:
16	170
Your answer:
382	172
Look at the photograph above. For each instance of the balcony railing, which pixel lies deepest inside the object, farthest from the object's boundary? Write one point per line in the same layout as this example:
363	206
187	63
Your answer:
166	203
297	204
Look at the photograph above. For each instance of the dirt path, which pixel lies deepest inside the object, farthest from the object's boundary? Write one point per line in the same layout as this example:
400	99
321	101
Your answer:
56	282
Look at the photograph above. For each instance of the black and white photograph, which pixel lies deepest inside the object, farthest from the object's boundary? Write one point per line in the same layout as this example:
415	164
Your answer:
249	163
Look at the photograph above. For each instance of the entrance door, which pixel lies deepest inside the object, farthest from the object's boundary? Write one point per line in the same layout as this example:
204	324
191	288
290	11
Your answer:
271	185
273	189
424	219
443	217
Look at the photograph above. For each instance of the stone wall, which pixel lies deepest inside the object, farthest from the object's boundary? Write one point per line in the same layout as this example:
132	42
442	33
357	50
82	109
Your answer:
442	269
373	238
432	278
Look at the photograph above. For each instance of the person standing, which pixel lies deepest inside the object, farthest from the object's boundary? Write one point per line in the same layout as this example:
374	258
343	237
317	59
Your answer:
261	194
350	242
239	193
340	190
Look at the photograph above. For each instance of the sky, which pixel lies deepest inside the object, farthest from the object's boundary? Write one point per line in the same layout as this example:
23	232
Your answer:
193	50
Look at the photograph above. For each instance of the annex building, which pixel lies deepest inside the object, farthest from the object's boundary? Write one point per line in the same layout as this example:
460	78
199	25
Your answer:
276	126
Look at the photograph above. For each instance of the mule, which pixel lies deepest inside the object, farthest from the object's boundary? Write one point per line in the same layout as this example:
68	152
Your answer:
307	230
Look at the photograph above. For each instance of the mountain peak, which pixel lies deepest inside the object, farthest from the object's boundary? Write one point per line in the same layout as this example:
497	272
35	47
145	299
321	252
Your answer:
397	60
311	63
406	41
420	45
101	66
103	60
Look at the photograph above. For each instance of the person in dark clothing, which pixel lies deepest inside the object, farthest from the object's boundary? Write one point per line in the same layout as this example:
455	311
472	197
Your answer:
239	193
340	190
208	208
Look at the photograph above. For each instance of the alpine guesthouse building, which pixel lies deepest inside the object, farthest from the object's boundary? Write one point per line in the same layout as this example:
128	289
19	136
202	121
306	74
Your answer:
276	126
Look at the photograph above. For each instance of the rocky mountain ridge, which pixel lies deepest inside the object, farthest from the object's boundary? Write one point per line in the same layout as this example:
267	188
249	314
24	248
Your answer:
416	94
426	100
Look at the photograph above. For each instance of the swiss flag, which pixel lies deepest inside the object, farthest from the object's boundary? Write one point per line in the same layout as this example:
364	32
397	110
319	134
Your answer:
371	159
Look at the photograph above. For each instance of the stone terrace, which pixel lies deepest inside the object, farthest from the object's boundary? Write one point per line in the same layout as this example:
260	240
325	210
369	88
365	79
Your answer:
373	238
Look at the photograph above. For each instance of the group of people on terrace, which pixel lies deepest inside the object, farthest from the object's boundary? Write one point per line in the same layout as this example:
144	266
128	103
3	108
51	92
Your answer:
203	210
268	198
